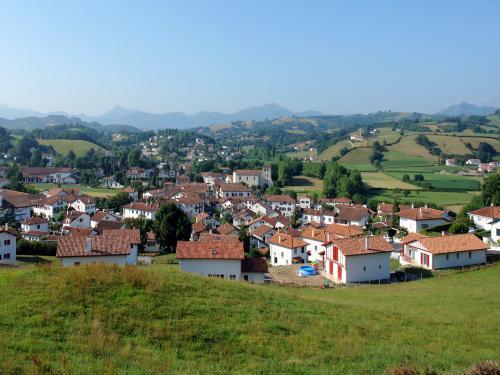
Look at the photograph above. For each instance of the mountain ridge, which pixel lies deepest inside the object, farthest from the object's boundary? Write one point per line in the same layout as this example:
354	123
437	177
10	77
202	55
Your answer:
465	108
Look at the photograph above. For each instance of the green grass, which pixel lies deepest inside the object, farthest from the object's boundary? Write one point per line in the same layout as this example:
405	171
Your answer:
444	181
155	320
304	184
63	146
380	180
444	198
92	191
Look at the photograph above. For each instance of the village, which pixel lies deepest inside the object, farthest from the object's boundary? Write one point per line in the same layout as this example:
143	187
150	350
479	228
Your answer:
238	233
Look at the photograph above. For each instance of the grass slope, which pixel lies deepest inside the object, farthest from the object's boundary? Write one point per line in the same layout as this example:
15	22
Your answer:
63	146
155	320
92	191
380	180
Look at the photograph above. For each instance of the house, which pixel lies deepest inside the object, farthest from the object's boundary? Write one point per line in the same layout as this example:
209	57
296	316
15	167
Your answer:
220	257
227	230
283	203
451	162
344	231
134	210
100	216
132	193
208	221
136	173
243	218
34	228
196	230
191	204
473	162
151	245
341	200
328	217
254	270
50	175
252	178
75	251
134	239
14	205
305	201
48	207
352	215
85	204
312	216
261	208
416	219
286	250
485	168
358	259
260	237
232	190
387	209
76	219
110	182
315	239
212	177
484	217
444	251
264	220
8	237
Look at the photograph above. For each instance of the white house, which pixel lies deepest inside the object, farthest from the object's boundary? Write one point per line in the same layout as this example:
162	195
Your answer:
75	251
254	270
260	237
286	250
84	204
283	203
8	239
305	201
358	259
15	205
100	216
484	217
50	175
251	177
233	190
49	207
316	239
473	162
136	210
76	219
213	258
351	215
34	228
445	251
134	238
416	219
312	216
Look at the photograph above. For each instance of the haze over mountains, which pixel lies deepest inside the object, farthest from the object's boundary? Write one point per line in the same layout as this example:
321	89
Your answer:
29	119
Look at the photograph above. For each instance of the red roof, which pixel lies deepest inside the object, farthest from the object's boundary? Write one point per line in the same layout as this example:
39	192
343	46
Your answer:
209	250
453	244
92	246
362	245
492	212
132	235
422	213
286	240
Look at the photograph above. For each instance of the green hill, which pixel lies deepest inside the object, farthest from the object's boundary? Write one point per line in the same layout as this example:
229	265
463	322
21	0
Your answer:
157	320
63	146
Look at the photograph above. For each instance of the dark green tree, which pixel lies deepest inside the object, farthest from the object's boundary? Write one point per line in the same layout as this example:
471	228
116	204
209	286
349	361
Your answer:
171	225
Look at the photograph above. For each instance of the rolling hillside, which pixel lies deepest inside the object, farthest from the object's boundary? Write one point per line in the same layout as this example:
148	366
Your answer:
157	320
63	146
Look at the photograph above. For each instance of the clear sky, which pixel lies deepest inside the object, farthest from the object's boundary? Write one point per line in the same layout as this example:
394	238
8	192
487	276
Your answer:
333	56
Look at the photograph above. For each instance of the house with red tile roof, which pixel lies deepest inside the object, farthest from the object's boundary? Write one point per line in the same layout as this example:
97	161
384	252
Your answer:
315	238
459	250
109	249
417	218
357	259
100	216
286	249
260	237
8	238
484	217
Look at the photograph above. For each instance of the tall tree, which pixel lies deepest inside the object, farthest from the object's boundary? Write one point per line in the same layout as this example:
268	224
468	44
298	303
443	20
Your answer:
171	225
490	190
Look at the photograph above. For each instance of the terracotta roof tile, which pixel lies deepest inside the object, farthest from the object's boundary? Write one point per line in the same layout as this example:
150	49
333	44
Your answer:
132	235
286	240
492	212
345	231
209	250
453	244
422	213
99	246
362	245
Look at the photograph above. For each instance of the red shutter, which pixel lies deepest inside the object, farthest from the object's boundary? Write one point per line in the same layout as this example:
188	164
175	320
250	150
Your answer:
421	258
339	272
335	253
331	267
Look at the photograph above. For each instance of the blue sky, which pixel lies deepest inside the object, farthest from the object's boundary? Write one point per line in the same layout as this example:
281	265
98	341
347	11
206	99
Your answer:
332	56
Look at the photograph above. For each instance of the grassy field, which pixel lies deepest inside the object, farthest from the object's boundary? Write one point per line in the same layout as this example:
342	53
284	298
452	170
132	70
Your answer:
358	159
409	147
303	184
63	146
444	181
334	150
474	141
92	191
380	180
444	198
449	145
157	320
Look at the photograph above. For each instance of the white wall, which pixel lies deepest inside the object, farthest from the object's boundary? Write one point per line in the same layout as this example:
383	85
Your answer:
417	226
315	247
7	249
115	259
134	214
206	267
285	255
361	268
442	261
253	277
495	231
481	222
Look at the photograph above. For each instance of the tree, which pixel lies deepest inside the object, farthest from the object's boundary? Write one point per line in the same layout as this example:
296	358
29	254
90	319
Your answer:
144	226
459	226
418	177
490	190
295	218
244	237
198	178
171	225
406	178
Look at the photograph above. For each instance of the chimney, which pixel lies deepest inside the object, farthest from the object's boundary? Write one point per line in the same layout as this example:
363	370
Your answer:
443	233
366	243
88	244
412	206
6	226
279	238
425	206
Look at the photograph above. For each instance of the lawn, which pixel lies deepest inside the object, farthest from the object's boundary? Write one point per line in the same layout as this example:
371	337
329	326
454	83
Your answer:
99	192
394	160
63	146
358	159
304	184
442	181
157	320
408	147
474	141
380	180
449	144
444	198
334	150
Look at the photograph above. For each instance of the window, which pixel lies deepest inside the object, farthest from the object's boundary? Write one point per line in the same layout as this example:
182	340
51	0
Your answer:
302	250
245	277
470	255
6	242
447	256
458	255
379	266
364	268
232	277
76	263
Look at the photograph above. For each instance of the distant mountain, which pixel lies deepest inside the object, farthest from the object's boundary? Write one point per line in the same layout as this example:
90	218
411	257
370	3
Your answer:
33	122
146	120
467	109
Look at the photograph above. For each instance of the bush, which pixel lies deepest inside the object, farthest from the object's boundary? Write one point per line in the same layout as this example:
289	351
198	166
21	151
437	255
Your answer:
36	248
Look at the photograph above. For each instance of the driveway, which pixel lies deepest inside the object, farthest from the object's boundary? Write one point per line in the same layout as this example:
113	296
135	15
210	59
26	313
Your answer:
287	275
